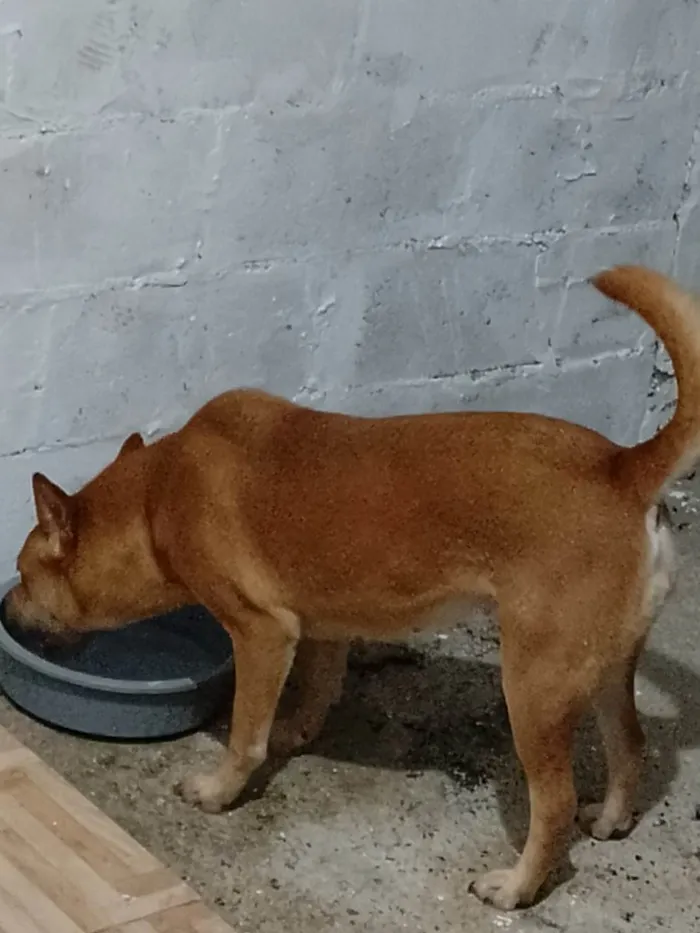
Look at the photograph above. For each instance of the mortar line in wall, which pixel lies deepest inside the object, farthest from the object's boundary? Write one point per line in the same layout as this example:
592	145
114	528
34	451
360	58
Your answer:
35	127
88	289
178	276
456	241
482	376
473	377
70	445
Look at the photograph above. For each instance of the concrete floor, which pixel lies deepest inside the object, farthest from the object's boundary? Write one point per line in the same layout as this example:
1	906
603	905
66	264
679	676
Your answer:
413	788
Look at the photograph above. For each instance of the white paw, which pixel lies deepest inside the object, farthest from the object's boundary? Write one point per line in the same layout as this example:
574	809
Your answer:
593	820
500	888
208	791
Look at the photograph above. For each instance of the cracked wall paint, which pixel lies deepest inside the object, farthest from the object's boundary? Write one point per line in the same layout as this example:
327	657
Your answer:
352	204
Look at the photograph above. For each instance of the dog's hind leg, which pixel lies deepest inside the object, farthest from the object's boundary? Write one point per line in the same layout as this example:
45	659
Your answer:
615	705
547	683
624	751
320	669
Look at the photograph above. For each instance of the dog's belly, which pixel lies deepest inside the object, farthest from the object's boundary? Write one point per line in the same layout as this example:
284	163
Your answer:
389	624
447	615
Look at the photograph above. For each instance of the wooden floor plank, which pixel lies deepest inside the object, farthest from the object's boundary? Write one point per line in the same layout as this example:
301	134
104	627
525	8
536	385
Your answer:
65	867
98	828
194	918
20	894
69	886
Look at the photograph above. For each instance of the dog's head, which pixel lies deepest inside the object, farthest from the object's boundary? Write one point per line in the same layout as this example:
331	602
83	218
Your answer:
89	564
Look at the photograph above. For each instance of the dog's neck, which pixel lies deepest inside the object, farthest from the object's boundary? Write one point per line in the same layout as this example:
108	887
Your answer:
133	562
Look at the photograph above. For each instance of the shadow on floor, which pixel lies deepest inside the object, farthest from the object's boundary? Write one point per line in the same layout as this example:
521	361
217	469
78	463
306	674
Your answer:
414	711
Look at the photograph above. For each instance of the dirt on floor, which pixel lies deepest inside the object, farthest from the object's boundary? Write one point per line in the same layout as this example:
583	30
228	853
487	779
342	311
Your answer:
413	788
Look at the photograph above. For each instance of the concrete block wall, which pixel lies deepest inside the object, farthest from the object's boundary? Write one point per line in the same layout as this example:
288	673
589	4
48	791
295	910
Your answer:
377	205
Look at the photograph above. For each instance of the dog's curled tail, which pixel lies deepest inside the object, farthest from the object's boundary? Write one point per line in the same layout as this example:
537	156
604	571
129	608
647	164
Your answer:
674	315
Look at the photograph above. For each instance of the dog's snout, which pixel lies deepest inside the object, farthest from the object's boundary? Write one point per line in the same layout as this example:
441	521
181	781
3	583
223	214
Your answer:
20	613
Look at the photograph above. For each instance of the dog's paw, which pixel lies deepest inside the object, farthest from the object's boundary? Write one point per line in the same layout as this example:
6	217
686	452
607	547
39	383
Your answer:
593	820
210	792
501	889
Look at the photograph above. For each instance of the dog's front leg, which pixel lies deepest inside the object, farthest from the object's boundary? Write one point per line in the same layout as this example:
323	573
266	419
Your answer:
264	646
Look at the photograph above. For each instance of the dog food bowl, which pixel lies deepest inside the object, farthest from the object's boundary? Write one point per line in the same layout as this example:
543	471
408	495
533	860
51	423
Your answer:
155	678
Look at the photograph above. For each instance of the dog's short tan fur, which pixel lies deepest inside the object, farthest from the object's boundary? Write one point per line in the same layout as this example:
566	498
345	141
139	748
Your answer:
300	530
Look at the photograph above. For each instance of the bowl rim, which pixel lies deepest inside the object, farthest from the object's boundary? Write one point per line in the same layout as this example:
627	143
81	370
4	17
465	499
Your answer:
93	681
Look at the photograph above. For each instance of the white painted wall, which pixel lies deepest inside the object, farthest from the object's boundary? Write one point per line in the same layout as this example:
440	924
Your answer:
378	204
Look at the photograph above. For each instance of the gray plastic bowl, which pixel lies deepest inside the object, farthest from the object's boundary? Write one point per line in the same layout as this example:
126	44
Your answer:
154	678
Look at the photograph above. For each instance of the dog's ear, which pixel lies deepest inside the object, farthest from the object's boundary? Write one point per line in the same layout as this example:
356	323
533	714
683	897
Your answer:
133	443
55	513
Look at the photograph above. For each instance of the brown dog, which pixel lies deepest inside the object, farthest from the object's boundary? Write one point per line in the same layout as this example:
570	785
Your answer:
300	530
